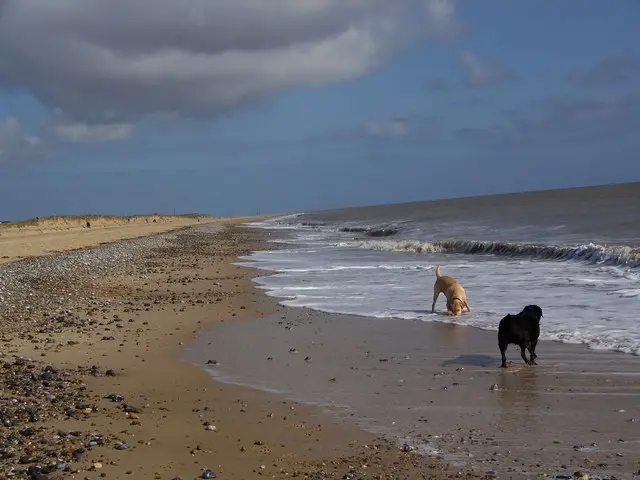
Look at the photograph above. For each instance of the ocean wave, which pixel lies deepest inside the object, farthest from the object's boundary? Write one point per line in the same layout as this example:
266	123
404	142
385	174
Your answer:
286	221
618	255
339	268
297	221
371	232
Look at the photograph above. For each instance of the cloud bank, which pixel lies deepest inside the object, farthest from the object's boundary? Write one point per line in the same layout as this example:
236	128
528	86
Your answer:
116	61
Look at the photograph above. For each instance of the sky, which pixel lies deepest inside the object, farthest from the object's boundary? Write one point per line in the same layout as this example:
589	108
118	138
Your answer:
244	106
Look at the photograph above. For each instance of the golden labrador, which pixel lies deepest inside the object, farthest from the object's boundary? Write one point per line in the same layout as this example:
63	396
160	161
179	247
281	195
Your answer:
456	297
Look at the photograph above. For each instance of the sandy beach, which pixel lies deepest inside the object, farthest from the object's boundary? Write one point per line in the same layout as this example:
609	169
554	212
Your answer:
35	237
106	349
95	385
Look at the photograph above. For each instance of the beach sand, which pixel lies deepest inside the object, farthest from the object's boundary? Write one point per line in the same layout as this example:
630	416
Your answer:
130	320
73	342
42	236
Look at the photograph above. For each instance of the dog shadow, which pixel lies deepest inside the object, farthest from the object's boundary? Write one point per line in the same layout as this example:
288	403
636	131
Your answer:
474	360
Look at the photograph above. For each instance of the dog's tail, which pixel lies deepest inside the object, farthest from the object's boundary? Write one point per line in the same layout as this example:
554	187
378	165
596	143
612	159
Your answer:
438	274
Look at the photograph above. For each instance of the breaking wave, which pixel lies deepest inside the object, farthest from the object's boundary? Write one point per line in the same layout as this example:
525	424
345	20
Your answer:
371	232
618	255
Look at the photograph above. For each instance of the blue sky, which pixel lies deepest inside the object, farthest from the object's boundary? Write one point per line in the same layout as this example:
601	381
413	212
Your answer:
139	106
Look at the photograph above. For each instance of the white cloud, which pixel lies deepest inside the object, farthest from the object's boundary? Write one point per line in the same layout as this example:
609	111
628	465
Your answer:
13	140
393	128
481	73
441	19
85	133
113	61
9	131
32	140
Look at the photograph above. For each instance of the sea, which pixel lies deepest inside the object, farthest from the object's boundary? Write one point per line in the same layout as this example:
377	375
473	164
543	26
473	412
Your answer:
573	252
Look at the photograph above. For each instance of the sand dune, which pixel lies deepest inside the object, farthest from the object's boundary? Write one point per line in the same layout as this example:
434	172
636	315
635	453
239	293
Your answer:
41	236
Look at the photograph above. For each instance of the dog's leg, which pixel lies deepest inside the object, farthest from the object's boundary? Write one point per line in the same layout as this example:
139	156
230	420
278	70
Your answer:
523	353
436	293
503	353
466	304
532	353
532	357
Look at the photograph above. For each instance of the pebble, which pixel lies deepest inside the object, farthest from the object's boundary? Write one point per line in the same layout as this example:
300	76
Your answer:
41	297
208	474
22	281
585	448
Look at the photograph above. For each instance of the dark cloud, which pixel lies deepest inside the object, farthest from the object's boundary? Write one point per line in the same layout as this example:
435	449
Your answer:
612	70
114	61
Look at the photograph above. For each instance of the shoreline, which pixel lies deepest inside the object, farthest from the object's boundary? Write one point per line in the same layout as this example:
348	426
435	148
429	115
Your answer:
601	384
97	361
125	337
439	388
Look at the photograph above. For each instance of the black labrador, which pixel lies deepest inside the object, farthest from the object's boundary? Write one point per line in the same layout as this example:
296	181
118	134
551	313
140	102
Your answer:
522	329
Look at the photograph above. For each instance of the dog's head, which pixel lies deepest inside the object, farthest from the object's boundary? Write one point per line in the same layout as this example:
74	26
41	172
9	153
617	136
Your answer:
535	309
455	307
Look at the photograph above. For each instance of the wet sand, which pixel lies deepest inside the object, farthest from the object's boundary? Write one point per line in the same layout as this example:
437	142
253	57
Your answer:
439	388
